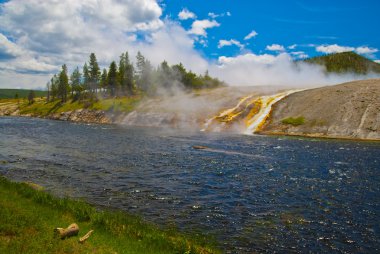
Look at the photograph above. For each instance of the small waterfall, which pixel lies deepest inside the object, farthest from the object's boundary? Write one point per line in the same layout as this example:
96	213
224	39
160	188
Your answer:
248	116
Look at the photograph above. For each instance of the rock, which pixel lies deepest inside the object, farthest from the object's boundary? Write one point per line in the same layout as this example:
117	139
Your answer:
353	112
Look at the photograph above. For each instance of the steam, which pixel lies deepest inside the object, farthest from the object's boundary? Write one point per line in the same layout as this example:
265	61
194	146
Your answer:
269	70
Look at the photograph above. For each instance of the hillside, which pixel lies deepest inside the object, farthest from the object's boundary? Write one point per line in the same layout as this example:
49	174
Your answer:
346	62
22	93
349	110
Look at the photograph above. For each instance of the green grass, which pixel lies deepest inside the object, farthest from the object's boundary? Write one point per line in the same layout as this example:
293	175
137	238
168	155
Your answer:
41	108
124	104
22	93
28	218
295	121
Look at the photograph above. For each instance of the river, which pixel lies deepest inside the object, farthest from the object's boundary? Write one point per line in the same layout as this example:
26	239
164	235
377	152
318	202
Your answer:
250	193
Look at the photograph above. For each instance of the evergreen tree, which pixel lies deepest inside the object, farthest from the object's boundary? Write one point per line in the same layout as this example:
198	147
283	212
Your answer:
144	74
112	78
48	92
76	84
103	79
54	87
129	76
94	72
31	96
121	75
63	84
86	77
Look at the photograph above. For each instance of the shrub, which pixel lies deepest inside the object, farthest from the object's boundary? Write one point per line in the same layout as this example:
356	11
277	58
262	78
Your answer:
295	121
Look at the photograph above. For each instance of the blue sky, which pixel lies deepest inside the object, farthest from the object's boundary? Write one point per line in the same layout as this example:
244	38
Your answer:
241	42
302	23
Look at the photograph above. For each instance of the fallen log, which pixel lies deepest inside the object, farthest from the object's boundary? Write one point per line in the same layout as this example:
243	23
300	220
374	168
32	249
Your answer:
86	236
200	147
71	230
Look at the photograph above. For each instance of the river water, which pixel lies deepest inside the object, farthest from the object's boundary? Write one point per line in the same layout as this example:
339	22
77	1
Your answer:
251	193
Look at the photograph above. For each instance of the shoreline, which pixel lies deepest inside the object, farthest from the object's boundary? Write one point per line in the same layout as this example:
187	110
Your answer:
29	214
311	135
110	121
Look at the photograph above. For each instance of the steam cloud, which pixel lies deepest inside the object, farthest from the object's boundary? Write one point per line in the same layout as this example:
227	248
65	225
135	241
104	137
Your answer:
280	70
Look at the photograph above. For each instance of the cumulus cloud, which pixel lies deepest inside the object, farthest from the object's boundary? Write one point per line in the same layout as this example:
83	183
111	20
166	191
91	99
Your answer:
9	49
292	46
275	47
251	35
186	14
199	26
47	34
223	43
334	48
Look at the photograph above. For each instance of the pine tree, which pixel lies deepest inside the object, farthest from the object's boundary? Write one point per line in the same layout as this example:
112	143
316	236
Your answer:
54	87
103	79
121	75
86	77
94	72
129	76
112	78
63	84
48	92
76	85
31	96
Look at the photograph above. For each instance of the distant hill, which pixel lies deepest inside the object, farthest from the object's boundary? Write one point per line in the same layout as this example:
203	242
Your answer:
22	93
346	62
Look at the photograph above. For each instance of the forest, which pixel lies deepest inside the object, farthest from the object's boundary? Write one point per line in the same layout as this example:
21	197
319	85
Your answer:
125	79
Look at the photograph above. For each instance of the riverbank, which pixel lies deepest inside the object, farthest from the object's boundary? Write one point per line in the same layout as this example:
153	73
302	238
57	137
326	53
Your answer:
100	111
28	216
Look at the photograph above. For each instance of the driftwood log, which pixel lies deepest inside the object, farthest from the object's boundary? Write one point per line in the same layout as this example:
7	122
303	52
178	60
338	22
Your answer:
71	230
85	237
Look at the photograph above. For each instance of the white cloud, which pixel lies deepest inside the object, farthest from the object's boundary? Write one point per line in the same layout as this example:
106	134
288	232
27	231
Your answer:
186	14
199	27
9	49
292	46
47	34
214	15
334	48
223	43
251	35
299	54
377	61
366	50
275	47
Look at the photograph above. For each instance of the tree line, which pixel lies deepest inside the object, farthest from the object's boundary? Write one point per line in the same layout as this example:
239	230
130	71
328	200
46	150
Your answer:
124	79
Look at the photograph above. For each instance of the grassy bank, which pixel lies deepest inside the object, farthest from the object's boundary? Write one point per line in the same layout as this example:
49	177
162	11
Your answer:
41	108
28	217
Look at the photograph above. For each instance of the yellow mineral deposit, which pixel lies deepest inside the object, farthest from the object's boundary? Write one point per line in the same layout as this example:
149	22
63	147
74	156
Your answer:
251	112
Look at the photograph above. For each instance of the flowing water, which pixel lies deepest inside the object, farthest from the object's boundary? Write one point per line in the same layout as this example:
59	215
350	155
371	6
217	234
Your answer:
252	193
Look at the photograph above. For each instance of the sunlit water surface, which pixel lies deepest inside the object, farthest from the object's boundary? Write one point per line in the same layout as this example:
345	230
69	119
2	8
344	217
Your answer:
252	193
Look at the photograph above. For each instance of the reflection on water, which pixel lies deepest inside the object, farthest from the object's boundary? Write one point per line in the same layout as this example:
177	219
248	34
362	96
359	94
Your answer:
254	193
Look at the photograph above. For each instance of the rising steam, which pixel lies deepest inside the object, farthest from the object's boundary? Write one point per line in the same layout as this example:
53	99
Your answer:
280	70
